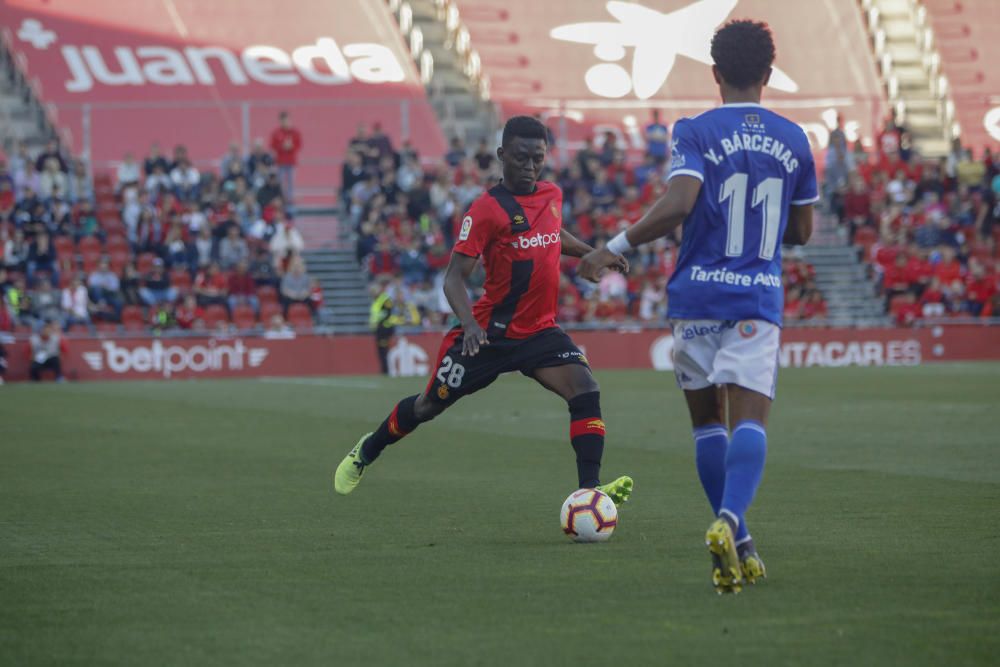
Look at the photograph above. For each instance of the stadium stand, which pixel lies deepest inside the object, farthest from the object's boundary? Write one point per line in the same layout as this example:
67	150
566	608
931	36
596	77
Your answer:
402	191
591	66
222	72
927	227
964	34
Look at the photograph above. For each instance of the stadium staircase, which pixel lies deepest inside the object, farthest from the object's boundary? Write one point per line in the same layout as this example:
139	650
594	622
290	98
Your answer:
449	66
21	116
330	258
850	293
911	70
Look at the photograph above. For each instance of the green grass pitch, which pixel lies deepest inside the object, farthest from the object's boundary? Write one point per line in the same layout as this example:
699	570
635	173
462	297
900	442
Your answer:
195	522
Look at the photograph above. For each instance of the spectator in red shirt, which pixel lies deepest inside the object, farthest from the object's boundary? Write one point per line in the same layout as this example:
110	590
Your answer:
242	289
895	281
885	252
907	310
189	314
211	286
918	269
979	289
814	307
793	304
857	204
286	142
7	201
315	296
948	269
932	300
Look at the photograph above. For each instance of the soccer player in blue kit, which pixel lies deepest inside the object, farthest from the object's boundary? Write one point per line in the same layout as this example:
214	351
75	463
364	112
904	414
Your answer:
742	182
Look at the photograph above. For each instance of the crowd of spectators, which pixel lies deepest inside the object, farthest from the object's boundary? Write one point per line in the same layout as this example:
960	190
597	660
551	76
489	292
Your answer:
929	228
407	215
157	244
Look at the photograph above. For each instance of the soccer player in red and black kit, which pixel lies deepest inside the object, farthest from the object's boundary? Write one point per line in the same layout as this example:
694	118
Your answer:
516	227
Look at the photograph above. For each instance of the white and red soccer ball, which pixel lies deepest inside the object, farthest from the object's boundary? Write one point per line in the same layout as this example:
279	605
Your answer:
589	515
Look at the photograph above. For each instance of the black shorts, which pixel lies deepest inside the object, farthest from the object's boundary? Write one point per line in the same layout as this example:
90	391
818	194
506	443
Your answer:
454	375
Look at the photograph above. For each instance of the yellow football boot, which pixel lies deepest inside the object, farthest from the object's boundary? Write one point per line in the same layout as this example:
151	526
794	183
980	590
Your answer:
349	472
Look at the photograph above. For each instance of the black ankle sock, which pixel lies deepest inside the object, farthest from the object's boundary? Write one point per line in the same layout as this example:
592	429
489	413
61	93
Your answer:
400	422
586	432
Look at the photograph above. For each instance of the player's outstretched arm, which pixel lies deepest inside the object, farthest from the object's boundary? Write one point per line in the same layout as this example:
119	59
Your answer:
455	280
800	225
574	247
667	213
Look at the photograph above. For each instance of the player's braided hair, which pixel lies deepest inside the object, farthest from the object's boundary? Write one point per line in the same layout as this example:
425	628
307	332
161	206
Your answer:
526	127
743	50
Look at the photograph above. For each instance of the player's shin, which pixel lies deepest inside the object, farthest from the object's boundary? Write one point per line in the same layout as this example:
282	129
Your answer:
400	422
711	443
744	468
586	432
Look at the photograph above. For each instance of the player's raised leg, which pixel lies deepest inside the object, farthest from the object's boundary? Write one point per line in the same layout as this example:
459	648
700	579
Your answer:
404	418
576	385
417	409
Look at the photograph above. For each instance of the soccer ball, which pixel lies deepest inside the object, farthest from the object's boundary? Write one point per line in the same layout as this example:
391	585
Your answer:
589	515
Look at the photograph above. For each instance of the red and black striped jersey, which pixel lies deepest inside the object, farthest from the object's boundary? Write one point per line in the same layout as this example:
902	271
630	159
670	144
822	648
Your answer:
518	239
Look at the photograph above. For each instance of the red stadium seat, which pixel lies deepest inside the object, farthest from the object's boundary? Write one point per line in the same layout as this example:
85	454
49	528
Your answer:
144	262
112	224
106	328
181	279
268	309
267	294
215	314
89	244
118	260
102	179
983	252
132	318
299	316
116	243
244	318
896	303
89	261
64	246
865	236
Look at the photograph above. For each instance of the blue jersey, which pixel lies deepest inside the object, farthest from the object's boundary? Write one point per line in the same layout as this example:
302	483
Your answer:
753	165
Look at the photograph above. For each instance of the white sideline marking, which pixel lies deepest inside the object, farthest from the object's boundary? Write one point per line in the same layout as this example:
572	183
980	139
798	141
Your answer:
323	382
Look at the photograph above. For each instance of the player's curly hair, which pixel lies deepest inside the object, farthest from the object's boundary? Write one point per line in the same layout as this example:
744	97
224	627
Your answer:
743	50
526	127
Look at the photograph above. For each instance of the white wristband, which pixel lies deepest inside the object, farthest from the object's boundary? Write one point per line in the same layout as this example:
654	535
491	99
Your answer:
619	244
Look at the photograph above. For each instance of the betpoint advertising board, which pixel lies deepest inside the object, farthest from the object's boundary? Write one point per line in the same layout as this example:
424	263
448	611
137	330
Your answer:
411	355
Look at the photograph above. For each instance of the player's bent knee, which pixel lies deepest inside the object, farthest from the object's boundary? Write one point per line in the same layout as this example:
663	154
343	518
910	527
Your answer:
425	409
585	402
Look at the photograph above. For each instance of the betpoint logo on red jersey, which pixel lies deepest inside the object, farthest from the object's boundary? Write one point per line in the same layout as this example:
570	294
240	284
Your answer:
325	63
168	360
539	240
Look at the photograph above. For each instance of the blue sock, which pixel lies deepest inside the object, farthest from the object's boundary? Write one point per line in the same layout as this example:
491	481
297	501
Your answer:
710	445
744	468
